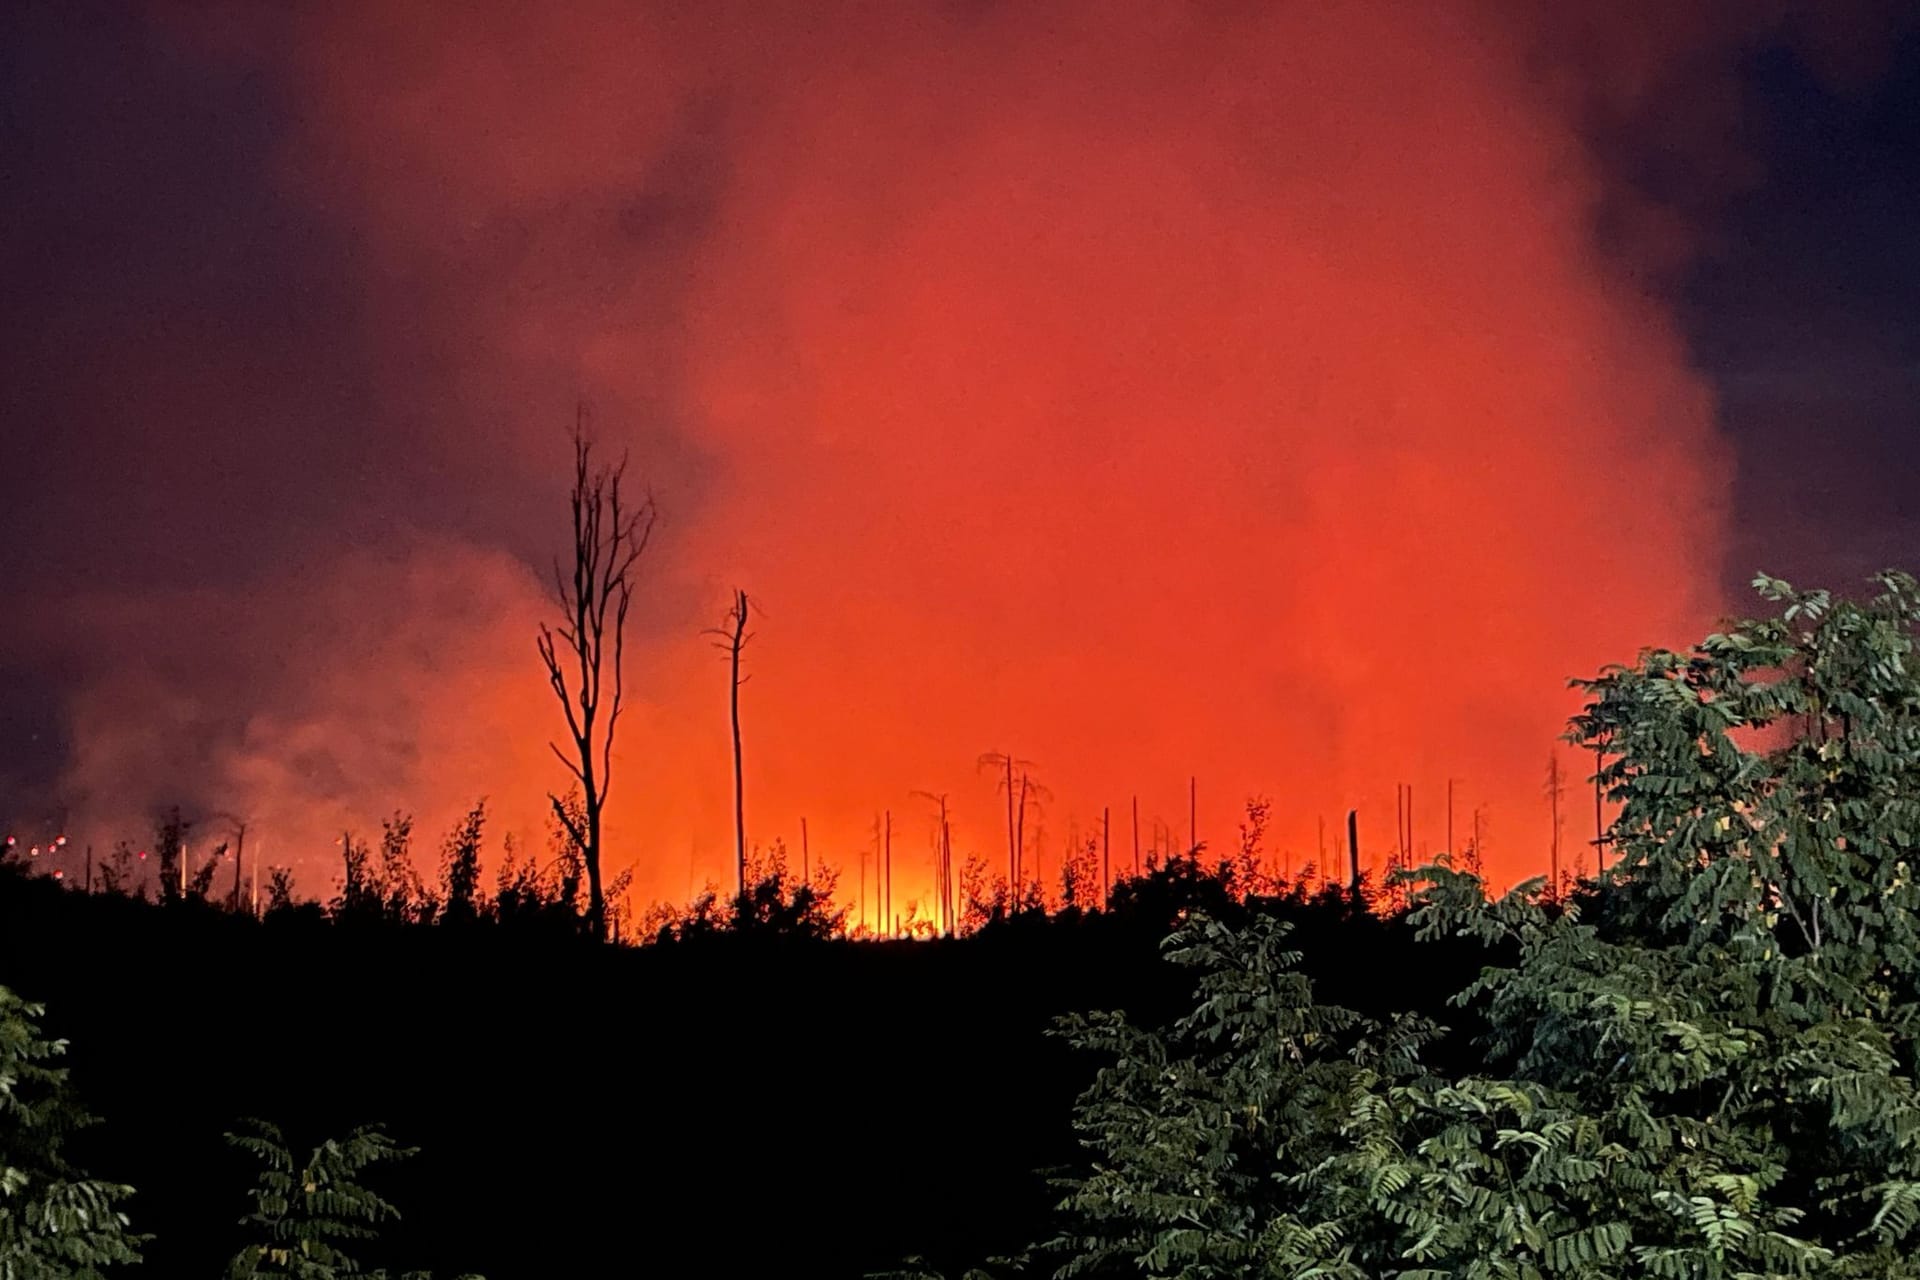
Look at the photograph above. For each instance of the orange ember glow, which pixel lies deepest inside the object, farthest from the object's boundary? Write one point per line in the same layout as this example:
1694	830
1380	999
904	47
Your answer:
1232	393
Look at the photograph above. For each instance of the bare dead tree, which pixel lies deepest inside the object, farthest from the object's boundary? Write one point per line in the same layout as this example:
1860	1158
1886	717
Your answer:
1003	762
1106	856
1450	849
1353	852
239	844
1136	837
1193	817
733	639
942	860
1020	831
583	654
1032	797
946	871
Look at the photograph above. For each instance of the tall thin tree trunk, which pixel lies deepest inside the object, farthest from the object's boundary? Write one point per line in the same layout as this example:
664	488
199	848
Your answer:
1400	826
1353	851
1106	855
596	893
1039	875
1020	830
739	776
1013	842
594	592
1136	836
946	871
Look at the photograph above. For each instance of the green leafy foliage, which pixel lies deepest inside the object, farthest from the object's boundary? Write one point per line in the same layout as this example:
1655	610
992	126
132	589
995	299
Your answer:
1702	1068
308	1214
55	1222
1212	1139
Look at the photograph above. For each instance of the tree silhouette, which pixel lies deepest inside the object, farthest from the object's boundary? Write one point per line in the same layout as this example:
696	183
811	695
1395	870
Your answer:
460	868
238	848
942	861
1023	794
169	845
733	639
280	891
406	897
362	897
583	654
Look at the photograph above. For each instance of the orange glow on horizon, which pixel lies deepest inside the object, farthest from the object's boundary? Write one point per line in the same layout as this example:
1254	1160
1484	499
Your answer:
1183	395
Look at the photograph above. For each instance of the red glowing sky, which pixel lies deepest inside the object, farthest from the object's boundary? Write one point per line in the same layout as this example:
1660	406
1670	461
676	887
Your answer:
1231	392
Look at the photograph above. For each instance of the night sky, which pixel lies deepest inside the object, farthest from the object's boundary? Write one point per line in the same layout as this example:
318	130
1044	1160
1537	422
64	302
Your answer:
298	311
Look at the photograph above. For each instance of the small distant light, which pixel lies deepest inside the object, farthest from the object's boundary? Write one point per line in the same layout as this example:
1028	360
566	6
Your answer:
59	875
34	852
143	853
9	842
62	842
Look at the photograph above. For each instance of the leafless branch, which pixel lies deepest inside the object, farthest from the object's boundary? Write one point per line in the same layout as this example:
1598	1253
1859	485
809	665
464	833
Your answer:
595	594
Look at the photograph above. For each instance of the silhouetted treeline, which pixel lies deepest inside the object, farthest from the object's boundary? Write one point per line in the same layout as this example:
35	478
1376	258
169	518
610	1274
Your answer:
545	891
758	1093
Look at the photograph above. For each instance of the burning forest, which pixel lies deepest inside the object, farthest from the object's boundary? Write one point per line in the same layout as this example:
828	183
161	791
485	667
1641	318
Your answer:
787	547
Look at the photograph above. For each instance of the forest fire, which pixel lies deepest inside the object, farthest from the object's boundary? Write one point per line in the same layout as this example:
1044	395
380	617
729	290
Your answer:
978	637
1233	397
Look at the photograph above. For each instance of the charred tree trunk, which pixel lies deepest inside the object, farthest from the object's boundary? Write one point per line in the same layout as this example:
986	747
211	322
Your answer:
1106	856
736	638
1013	841
1353	852
1136	837
239	856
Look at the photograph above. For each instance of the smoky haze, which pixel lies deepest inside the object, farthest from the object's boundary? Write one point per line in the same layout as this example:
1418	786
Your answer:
1273	395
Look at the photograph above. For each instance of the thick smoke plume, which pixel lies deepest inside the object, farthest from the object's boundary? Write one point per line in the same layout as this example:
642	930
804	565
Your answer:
1267	394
